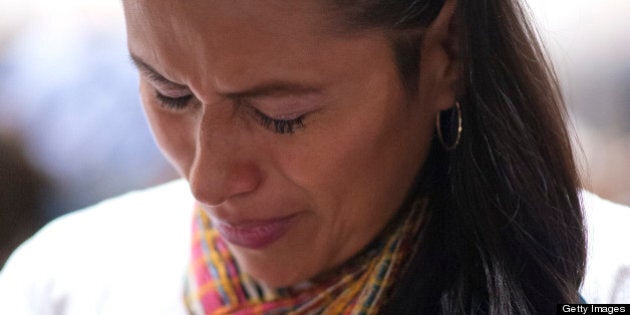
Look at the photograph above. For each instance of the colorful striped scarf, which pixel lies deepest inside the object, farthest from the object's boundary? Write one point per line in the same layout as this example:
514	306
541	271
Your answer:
216	285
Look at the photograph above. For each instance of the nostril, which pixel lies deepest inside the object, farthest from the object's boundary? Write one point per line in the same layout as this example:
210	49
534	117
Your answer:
202	191
215	188
245	179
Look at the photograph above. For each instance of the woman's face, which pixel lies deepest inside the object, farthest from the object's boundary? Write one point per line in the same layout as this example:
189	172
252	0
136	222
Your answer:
299	142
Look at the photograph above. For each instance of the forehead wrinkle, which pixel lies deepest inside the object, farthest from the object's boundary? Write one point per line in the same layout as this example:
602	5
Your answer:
161	34
221	47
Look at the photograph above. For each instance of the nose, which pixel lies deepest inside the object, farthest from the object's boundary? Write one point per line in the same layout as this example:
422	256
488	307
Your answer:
222	168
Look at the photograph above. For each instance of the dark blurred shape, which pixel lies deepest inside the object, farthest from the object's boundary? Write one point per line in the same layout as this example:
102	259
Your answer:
22	190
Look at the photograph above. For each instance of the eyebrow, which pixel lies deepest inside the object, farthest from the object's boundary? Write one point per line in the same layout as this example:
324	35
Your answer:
152	73
277	88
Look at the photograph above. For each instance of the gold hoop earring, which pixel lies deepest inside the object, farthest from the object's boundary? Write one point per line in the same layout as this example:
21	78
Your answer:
450	147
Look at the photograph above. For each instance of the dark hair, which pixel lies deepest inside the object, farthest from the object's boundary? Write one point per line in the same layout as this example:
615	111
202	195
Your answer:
506	232
22	188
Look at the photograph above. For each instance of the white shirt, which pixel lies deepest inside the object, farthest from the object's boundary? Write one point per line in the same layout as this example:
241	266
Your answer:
128	255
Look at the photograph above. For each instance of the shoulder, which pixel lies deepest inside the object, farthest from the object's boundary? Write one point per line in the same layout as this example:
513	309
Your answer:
108	255
608	262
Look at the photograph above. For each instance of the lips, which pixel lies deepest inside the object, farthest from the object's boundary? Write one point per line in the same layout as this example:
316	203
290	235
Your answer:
255	234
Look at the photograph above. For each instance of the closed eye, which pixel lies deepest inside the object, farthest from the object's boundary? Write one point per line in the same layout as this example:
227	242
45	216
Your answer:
280	126
173	103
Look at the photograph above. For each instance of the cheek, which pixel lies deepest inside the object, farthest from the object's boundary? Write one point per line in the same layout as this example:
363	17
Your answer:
363	158
174	134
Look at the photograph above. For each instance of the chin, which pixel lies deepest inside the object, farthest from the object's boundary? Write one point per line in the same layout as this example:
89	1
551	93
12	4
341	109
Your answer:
275	272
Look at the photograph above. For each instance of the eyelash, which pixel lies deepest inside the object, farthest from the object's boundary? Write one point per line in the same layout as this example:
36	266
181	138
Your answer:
279	126
175	104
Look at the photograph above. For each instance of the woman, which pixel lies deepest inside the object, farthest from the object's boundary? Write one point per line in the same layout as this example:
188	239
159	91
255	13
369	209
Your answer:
306	131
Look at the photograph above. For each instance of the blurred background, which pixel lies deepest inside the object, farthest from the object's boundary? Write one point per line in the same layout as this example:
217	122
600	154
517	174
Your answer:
70	113
72	131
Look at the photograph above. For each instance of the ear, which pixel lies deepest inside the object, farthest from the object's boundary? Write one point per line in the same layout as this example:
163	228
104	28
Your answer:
440	61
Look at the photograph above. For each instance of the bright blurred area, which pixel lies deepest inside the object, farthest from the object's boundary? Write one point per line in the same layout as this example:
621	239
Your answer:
589	44
70	116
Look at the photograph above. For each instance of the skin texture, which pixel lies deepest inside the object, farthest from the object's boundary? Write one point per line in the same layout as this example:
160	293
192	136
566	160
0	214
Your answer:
342	175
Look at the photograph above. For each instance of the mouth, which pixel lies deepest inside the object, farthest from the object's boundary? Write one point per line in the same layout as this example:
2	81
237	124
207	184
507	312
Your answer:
256	234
